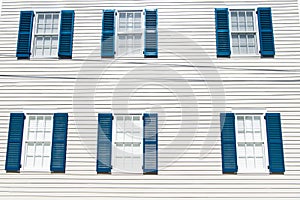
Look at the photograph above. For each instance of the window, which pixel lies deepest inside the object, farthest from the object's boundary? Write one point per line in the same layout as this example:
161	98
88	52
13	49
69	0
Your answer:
244	32
37	142
129	33
128	144
46	35
251	143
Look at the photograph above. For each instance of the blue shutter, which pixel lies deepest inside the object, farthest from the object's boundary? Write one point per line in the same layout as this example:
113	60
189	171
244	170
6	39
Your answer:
222	32
228	140
104	142
150	149
14	143
275	147
66	34
266	37
151	34
108	34
59	142
25	32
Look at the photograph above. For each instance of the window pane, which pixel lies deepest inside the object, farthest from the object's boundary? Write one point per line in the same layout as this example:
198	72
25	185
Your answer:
241	151
250	24
129	22
30	149
39	149
41	19
243	44
234	21
55	23
29	162
242	21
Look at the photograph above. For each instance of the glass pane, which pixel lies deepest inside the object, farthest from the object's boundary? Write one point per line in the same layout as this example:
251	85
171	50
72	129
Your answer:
47	52
248	124
38	52
242	163
31	136
260	163
257	128
39	42
129	22
243	44
250	163
251	44
29	162
46	162
38	162
55	23
250	24
47	150
39	150
258	150
40	136
30	150
40	28
250	150
129	44
234	21
242	21
40	123
41	19
48	136
48	123
48	19
241	151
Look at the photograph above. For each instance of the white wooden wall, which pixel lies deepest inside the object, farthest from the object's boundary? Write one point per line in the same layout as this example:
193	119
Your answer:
187	85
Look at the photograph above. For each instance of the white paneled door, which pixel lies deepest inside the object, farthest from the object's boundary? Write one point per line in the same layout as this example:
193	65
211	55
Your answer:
127	149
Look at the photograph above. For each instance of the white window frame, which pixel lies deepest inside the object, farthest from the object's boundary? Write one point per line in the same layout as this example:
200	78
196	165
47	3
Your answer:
256	31
118	32
24	141
114	134
34	30
264	140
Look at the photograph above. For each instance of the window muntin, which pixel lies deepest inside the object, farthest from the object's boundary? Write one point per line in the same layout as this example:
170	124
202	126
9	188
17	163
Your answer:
243	32
251	143
46	35
129	33
37	140
128	144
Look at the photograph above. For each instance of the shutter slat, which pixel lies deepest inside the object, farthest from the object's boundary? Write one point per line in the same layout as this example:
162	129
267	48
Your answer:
228	139
275	145
59	142
104	143
267	47
66	34
108	34
222	32
151	34
14	143
150	138
25	35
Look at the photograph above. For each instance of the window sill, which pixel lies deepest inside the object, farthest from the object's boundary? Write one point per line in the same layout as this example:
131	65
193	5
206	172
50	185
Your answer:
253	173
35	172
245	56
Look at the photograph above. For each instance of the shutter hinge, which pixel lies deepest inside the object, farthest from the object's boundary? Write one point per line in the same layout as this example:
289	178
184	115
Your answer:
20	166
112	118
115	53
268	166
116	13
24	117
256	12
144	52
265	117
143	118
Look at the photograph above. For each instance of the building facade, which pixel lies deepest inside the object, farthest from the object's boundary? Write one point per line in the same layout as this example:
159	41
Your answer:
147	99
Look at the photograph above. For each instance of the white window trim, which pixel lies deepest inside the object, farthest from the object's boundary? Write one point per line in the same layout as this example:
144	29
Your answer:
255	28
114	128
25	131
32	56
142	31
264	136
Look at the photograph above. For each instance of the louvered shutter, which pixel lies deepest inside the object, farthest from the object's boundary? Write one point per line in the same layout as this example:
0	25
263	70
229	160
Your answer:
275	146
66	34
150	149
25	35
151	34
267	47
14	143
222	32
104	142
59	142
108	34
228	140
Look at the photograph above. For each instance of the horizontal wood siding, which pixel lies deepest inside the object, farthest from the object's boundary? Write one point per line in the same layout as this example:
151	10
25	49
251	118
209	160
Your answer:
186	85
